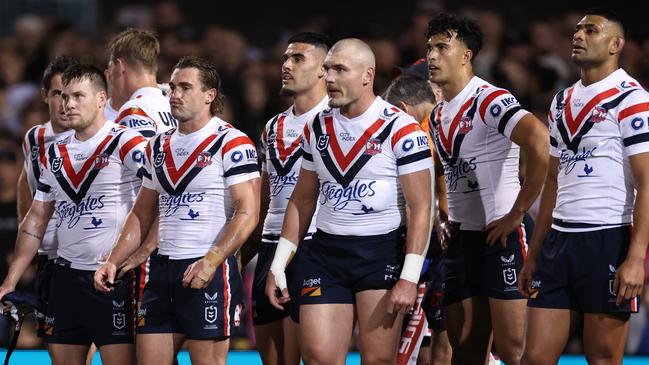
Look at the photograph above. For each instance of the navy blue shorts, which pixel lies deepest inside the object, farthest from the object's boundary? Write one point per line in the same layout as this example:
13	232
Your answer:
262	311
432	303
475	268
168	307
44	267
575	270
80	315
336	267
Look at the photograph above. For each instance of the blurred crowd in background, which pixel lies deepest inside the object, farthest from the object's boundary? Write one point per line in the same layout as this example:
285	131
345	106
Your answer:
529	54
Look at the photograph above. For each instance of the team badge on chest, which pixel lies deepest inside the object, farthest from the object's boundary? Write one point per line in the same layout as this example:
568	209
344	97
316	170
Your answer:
204	159
466	124
372	147
323	142
599	114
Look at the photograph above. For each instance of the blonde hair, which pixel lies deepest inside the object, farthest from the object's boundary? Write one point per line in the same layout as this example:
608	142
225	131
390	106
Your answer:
138	48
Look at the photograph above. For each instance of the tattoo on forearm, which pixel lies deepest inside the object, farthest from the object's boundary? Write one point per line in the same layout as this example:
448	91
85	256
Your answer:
32	234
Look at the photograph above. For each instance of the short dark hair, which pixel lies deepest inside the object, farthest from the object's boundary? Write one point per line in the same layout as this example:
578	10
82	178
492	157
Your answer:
611	16
81	72
56	67
316	39
467	30
209	77
410	90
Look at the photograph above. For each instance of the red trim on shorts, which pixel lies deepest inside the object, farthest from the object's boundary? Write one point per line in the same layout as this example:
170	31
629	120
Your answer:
226	298
521	240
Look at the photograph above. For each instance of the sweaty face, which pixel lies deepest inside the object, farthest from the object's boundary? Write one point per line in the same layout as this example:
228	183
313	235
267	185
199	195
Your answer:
445	55
302	64
82	103
344	78
55	103
594	36
188	98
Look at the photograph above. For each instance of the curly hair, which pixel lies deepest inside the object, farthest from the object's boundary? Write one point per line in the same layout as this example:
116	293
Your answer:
467	30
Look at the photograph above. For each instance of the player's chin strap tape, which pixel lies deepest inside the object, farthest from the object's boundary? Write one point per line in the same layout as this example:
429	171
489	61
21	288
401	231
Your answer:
20	304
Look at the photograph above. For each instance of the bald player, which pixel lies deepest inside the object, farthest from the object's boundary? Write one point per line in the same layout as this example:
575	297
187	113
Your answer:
364	162
586	259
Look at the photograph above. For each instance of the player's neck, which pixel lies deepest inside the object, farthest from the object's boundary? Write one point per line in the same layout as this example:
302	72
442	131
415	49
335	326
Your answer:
358	107
196	123
56	128
138	81
591	75
453	87
91	130
302	103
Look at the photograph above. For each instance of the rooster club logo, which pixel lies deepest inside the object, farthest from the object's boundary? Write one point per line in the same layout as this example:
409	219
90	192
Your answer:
599	114
204	159
373	147
466	125
101	161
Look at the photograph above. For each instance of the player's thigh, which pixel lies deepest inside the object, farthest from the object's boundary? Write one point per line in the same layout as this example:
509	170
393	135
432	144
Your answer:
379	331
117	354
63	354
270	341
604	338
468	325
208	352
546	335
324	331
291	342
155	349
508	324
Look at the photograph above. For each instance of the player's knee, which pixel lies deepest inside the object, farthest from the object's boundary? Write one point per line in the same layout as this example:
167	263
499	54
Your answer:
378	358
603	356
313	354
534	358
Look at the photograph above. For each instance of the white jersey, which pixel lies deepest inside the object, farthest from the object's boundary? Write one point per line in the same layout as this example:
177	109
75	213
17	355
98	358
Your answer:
93	184
109	112
593	131
281	159
472	135
35	145
192	173
358	162
147	111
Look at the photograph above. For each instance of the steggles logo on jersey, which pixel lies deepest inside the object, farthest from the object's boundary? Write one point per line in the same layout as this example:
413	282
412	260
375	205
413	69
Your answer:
339	197
169	204
74	212
568	161
279	182
453	173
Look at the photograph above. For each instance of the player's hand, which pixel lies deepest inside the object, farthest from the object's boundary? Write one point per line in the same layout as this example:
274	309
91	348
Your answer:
105	274
526	275
402	297
629	279
131	263
199	274
4	290
275	295
498	230
443	234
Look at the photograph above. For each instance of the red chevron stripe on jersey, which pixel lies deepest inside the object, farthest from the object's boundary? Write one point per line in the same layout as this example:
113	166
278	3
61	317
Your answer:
284	152
235	142
76	178
174	173
574	124
404	131
134	111
341	158
128	146
447	141
633	109
41	147
488	100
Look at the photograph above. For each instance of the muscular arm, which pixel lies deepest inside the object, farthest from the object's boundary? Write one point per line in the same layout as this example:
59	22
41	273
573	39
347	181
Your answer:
301	207
30	234
417	193
531	135
245	198
629	277
541	225
250	248
24	195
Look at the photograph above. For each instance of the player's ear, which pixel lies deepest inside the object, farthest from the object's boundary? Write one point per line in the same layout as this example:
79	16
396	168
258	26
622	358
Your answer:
467	57
44	95
368	76
617	45
102	98
210	96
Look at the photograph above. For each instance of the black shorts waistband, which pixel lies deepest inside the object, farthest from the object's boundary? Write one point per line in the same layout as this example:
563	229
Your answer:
328	236
561	223
274	238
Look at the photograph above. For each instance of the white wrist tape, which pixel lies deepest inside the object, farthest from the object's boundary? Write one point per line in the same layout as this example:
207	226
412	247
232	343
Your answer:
412	267
283	253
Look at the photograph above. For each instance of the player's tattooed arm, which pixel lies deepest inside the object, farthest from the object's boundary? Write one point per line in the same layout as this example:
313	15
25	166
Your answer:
32	234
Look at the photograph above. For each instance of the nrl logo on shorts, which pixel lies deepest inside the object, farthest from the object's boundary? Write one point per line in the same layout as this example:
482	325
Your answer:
509	276
56	164
210	314
323	142
119	320
159	159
